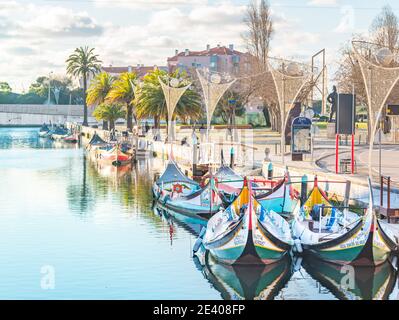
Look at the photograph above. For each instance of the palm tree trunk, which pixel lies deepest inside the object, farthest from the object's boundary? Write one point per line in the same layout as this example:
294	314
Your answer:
85	122
105	125
156	122
129	117
111	124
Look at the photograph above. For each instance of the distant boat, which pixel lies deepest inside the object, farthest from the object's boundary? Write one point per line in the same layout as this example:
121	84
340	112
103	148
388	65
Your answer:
332	237
246	233
73	138
59	133
44	130
95	142
112	155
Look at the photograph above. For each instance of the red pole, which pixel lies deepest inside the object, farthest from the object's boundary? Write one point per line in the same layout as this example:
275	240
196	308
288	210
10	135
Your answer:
336	152
353	154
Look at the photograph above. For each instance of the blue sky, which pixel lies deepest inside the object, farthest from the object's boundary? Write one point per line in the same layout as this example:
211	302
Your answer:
36	36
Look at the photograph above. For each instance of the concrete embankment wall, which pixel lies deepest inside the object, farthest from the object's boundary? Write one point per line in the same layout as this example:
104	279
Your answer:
183	154
32	114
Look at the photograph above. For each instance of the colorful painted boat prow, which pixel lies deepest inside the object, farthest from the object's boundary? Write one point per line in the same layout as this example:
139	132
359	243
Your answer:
174	181
246	233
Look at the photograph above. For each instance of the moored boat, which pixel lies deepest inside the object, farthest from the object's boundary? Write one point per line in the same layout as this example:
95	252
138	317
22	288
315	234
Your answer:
329	235
221	189
246	233
95	141
199	205
73	138
112	154
59	133
44	130
174	182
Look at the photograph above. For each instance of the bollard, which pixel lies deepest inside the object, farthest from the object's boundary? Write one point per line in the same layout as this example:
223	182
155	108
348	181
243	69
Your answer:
304	188
270	171
232	157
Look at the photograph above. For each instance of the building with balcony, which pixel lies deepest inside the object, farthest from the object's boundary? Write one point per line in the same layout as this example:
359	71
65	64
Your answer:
219	59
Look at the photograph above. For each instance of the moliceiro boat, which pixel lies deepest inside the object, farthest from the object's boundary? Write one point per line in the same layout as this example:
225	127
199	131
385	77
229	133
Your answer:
245	233
44	130
96	142
59	133
199	205
325	232
174	182
112	154
73	138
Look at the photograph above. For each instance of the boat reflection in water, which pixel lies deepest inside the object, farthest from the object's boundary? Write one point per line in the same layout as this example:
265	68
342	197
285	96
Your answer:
244	282
353	283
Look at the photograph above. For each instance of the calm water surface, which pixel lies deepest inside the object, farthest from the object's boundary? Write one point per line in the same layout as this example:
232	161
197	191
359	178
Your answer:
96	231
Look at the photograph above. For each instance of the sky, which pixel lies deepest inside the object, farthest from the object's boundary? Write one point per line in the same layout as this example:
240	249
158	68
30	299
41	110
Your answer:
36	36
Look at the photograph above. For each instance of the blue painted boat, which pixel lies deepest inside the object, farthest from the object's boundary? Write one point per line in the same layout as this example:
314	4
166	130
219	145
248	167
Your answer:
44	130
173	182
201	204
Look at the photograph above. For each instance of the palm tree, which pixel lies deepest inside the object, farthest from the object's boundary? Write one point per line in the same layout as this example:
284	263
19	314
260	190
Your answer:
123	92
151	100
98	91
83	63
109	112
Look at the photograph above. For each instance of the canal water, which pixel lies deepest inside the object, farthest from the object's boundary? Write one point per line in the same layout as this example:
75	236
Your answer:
72	230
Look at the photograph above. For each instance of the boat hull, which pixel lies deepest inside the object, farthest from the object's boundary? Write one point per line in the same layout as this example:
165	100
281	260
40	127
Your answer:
365	244
247	241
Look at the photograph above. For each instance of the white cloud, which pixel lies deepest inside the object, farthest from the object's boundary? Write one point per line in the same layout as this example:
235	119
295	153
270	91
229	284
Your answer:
39	38
322	3
148	4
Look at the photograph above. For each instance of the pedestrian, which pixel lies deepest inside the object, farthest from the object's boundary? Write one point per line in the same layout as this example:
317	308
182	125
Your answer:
202	133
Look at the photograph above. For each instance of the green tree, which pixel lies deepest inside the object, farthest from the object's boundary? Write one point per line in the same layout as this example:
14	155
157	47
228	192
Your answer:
5	87
226	106
66	93
151	100
110	113
123	92
98	91
83	63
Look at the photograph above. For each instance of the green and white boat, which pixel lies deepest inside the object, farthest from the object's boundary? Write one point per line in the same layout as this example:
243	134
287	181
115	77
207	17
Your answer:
332	237
246	233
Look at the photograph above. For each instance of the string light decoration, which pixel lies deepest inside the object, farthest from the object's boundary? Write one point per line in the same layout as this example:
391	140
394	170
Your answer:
379	66
291	80
173	91
214	85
